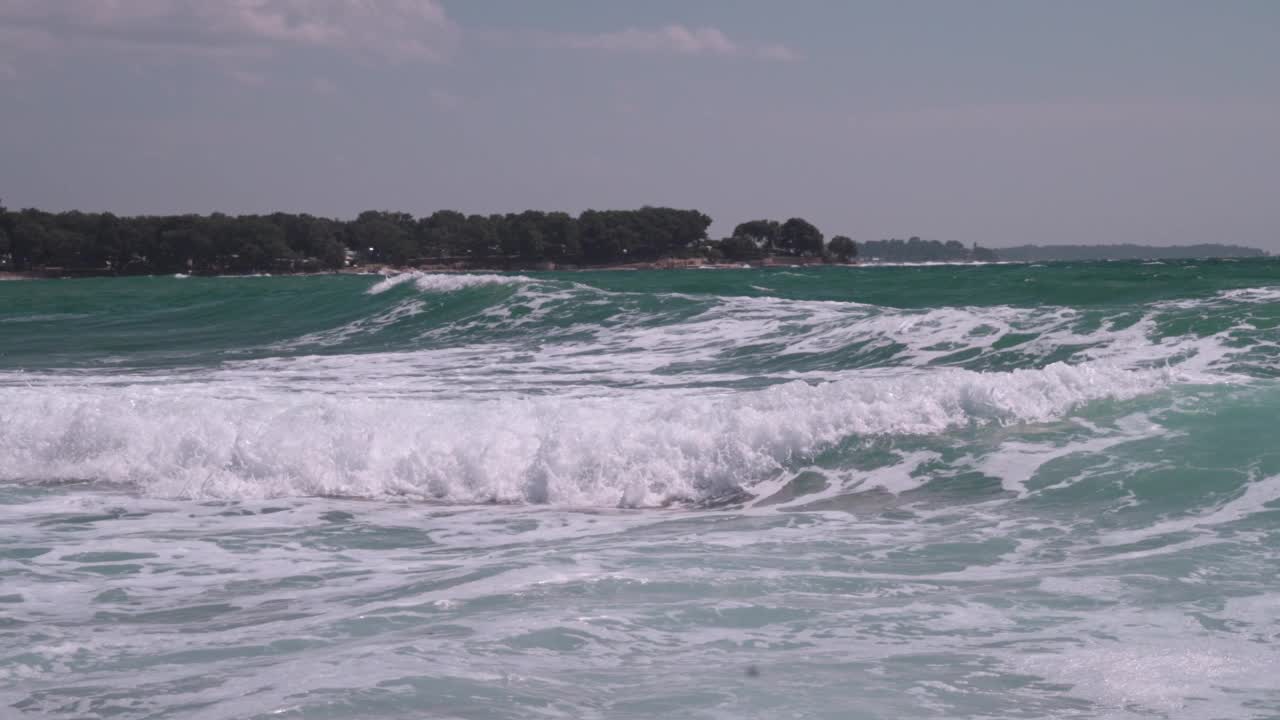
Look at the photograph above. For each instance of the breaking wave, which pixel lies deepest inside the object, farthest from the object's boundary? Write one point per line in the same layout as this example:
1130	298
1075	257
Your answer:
637	451
434	282
466	388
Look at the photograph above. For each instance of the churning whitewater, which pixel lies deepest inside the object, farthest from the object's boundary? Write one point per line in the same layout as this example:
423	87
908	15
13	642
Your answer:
887	492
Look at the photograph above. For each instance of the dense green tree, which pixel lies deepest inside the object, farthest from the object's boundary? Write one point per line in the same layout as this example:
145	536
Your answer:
322	243
263	245
560	235
842	248
4	233
109	244
38	240
20	242
89	242
798	236
487	234
740	247
645	234
315	241
594	231
443	233
981	254
384	237
524	237
606	236
764	233
180	244
916	250
98	243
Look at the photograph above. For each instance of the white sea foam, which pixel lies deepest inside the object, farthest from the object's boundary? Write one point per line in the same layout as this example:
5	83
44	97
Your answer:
640	342
1253	295
444	282
994	544
365	325
390	281
643	346
1257	496
43	317
793	329
638	449
1168	677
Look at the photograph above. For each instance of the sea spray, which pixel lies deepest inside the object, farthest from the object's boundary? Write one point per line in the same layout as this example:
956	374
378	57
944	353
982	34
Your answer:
992	491
577	451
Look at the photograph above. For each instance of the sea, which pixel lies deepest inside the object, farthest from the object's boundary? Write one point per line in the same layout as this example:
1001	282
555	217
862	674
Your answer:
954	491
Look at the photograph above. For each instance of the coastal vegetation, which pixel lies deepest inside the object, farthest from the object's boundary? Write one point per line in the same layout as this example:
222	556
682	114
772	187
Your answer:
98	243
1032	253
917	250
76	242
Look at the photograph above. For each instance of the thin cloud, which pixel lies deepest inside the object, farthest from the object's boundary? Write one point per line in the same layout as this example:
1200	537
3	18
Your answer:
778	53
444	99
248	78
323	86
394	30
672	39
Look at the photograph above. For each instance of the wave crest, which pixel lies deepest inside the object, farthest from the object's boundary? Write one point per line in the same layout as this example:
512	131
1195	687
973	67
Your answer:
444	282
636	450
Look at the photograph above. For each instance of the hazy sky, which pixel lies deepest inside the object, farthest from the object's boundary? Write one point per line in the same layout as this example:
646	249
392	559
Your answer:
996	121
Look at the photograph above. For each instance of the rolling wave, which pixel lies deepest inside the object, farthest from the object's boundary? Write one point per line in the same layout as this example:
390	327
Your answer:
635	451
504	388
995	491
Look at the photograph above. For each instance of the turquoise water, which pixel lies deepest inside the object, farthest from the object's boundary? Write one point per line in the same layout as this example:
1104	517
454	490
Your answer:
885	492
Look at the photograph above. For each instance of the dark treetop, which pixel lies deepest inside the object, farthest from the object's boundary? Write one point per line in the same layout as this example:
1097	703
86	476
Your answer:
102	243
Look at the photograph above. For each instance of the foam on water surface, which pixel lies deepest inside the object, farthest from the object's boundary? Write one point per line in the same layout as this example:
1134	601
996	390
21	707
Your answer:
639	450
912	492
435	282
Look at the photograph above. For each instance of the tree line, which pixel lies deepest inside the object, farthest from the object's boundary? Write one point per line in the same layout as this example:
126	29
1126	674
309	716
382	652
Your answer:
916	250
104	243
1032	253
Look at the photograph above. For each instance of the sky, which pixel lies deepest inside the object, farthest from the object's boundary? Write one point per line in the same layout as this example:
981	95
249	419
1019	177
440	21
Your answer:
999	122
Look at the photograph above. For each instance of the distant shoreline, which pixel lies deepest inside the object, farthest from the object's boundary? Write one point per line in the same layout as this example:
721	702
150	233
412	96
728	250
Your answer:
775	263
387	269
39	244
